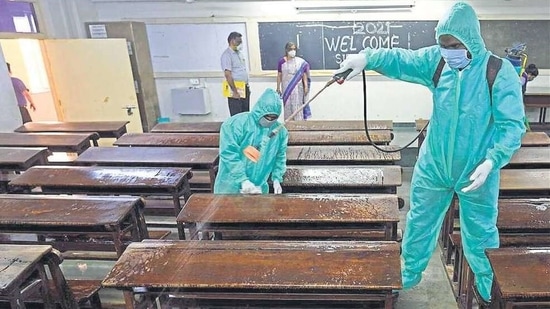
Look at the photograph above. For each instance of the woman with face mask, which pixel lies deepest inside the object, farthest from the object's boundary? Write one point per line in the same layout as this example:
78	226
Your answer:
293	82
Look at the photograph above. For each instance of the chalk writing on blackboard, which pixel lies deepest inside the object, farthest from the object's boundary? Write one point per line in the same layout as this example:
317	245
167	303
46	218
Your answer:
326	44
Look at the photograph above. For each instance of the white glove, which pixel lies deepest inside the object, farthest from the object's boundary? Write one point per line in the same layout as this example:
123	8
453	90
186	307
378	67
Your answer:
277	189
247	187
479	175
356	62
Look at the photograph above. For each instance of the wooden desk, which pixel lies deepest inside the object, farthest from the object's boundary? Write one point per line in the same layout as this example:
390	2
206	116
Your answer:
525	182
20	159
342	179
169	140
530	139
379	137
521	276
195	158
535	139
187	127
241	272
284	217
340	155
143	181
338	125
538	100
105	129
531	157
61	142
69	218
24	273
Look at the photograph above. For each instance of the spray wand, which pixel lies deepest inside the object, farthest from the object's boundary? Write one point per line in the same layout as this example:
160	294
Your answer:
253	153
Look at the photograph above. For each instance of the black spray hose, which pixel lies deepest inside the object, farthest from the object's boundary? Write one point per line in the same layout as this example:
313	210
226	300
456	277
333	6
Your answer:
367	127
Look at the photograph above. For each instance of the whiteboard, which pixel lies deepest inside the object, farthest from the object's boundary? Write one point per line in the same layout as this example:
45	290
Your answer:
191	47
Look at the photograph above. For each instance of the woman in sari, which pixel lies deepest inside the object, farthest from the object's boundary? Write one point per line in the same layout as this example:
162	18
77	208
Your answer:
293	82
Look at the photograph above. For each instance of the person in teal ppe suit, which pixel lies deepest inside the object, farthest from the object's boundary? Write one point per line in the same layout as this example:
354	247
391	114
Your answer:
470	137
238	174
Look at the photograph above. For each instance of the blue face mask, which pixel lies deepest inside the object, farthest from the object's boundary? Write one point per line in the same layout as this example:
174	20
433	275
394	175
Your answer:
455	58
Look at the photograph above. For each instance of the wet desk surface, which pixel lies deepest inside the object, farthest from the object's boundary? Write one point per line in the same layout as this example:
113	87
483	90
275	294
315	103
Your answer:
536	180
338	125
60	142
382	137
521	275
306	216
196	158
260	269
535	157
342	179
187	127
20	159
107	129
341	155
524	215
169	140
64	215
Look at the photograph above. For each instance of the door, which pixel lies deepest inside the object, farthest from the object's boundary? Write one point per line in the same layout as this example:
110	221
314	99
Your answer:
91	80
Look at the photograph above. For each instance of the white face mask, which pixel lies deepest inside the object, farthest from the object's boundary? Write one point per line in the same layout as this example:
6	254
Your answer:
267	123
291	53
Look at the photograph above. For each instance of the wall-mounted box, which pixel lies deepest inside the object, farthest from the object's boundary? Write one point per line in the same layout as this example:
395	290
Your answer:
190	101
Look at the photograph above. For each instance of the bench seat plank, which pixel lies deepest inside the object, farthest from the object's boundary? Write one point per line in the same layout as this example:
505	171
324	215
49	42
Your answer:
341	155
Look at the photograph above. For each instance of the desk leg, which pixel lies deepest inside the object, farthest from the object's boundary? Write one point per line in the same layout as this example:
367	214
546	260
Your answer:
118	234
66	297
141	225
177	209
388	302
544	115
49	303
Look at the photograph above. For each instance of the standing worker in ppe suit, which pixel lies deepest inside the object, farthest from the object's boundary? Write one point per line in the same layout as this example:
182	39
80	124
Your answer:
470	137
237	173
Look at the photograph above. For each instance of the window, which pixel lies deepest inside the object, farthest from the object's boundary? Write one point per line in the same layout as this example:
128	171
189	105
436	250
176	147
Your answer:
18	17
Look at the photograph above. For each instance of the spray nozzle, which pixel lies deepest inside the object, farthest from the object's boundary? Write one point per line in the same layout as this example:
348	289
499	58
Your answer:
340	78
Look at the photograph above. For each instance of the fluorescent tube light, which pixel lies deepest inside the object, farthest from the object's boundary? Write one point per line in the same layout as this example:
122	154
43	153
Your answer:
341	6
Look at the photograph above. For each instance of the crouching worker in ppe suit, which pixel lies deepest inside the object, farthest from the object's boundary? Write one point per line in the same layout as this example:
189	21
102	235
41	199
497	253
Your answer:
238	174
470	137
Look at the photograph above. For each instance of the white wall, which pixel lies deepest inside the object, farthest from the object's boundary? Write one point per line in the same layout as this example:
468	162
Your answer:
388	99
10	118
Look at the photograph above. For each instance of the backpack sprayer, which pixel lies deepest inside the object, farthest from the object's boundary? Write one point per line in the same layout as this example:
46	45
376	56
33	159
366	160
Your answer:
253	153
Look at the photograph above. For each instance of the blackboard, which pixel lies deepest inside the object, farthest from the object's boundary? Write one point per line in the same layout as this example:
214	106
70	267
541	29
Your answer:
324	44
500	34
191	47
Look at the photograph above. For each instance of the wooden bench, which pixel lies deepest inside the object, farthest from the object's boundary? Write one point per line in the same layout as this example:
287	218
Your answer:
304	138
19	159
340	155
200	160
338	125
142	181
75	223
243	272
530	139
521	222
169	140
531	157
24	274
521	277
105	129
514	183
295	217
60	142
541	101
187	127
342	179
